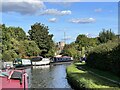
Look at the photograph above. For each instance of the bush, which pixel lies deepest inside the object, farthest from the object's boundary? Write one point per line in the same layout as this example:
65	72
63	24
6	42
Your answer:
105	57
7	56
115	60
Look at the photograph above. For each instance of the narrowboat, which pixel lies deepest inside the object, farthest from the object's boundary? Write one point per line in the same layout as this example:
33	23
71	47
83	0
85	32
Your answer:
21	62
13	79
39	61
62	59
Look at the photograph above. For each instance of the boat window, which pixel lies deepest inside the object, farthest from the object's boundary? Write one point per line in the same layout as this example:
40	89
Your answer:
19	62
16	75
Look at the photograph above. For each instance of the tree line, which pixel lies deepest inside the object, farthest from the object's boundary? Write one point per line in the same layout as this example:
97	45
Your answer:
83	43
16	44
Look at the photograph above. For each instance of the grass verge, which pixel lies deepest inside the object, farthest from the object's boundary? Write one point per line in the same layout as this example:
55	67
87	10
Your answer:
82	79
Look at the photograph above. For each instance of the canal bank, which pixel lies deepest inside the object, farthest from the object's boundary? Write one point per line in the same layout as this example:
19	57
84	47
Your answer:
80	78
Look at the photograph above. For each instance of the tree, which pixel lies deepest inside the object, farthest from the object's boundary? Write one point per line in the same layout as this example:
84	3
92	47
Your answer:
9	55
31	48
81	41
106	35
39	33
84	41
70	50
15	44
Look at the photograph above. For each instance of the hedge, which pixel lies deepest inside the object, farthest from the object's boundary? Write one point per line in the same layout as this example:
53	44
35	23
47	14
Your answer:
105	57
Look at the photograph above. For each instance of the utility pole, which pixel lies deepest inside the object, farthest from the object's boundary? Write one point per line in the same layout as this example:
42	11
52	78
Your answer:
64	37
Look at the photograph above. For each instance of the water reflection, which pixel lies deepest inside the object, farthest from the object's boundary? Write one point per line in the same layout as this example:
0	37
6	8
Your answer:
49	76
41	67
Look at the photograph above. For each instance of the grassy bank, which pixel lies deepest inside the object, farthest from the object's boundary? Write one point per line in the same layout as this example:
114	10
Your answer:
79	78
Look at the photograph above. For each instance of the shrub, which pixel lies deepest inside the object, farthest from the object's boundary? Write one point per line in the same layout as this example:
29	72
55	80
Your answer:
7	56
105	57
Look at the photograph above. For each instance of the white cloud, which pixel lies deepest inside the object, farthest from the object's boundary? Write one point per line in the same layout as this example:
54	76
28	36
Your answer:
90	35
98	10
52	20
82	20
61	0
22	6
30	7
55	12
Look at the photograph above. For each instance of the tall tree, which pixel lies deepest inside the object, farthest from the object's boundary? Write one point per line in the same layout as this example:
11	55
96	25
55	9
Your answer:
15	45
17	33
84	41
70	50
39	33
106	35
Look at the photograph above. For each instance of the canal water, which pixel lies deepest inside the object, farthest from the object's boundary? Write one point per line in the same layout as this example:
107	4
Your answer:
49	76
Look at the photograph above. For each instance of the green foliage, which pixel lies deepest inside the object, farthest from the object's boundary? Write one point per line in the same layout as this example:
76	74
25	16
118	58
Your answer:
83	51
106	35
39	33
6	56
9	55
70	50
15	44
50	53
81	40
84	41
105	57
114	57
13	32
82	79
30	47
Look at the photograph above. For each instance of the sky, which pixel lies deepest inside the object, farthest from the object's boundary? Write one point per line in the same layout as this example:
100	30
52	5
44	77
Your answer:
70	18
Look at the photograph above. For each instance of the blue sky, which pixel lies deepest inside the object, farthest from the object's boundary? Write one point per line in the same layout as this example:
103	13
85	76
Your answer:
73	18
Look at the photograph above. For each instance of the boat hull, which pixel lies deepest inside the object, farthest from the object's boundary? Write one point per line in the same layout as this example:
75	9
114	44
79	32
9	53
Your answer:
8	83
42	62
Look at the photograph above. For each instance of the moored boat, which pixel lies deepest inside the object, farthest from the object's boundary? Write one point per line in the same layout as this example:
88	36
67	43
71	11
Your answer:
39	61
14	79
61	58
21	62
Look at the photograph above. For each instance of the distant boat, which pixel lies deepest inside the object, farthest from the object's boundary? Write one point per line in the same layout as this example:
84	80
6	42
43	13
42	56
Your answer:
39	60
21	62
62	58
14	79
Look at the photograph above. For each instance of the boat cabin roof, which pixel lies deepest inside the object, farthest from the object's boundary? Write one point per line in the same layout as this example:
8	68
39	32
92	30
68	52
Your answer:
38	58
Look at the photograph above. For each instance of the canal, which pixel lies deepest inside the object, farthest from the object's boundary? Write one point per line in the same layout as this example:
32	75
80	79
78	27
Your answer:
49	76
